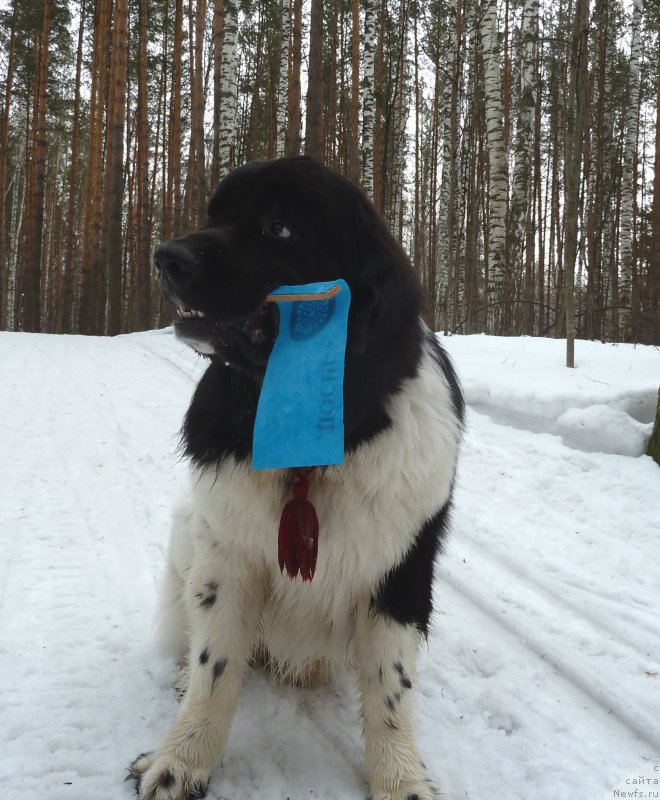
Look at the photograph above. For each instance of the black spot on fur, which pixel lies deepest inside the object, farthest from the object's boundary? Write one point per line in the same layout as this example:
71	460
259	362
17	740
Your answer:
166	780
380	674
204	656
218	669
389	702
405	595
406	682
208	601
208	597
398	666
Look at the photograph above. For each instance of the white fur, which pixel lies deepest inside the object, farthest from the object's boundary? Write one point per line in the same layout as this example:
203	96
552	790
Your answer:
370	510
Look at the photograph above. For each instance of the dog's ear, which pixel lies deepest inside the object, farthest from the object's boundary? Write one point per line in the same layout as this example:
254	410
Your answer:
364	302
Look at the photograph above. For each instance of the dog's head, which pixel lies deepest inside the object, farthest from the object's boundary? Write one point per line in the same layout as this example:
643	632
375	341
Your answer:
289	221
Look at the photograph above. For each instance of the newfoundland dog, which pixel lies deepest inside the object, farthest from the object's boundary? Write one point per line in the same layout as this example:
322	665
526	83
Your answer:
381	514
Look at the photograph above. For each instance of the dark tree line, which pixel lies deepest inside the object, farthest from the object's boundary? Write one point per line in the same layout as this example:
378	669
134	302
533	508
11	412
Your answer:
512	145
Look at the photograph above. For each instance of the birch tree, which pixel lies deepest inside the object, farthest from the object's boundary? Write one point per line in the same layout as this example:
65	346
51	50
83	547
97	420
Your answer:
369	96
654	272
283	83
229	81
497	185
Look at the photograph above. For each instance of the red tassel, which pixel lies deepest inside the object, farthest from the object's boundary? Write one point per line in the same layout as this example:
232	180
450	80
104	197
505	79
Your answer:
298	540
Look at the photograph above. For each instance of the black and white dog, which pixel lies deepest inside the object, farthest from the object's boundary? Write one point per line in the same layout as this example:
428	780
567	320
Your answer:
382	514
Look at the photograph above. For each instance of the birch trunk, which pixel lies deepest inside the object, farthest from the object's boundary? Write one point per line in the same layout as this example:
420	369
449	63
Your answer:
369	97
283	84
497	187
654	272
229	82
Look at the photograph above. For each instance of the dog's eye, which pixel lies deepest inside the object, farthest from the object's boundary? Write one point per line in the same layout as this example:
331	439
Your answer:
278	228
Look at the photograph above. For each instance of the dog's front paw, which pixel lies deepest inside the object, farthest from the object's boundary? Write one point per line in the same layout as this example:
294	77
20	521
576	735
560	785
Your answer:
167	777
411	786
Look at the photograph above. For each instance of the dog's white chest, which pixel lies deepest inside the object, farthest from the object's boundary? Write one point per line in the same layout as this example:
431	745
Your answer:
369	509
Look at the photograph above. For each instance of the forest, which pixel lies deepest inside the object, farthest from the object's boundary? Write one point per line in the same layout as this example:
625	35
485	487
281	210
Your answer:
513	146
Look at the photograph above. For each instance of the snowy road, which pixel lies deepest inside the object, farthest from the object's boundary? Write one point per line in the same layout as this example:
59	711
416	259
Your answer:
541	679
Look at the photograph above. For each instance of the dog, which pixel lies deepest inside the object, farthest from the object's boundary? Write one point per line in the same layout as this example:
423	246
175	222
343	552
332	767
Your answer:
382	514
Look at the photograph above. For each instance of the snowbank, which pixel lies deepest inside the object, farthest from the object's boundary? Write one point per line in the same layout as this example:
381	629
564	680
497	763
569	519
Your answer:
606	404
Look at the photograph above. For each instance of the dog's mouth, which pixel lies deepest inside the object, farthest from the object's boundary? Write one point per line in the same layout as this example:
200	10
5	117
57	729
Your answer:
243	342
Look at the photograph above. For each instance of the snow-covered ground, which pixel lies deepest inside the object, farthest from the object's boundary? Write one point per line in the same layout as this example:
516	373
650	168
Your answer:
541	679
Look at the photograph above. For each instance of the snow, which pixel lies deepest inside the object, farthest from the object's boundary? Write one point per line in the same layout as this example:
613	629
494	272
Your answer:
541	678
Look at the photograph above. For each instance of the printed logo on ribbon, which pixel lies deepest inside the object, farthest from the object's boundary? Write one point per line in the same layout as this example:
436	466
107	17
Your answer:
309	317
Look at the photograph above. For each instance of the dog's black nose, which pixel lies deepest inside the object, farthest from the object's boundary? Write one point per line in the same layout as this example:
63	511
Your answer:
177	262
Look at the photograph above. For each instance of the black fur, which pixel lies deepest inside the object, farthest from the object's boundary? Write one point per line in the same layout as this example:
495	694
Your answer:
406	592
218	669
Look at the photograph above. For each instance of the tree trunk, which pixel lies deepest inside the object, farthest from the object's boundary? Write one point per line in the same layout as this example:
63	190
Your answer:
283	83
654	442
293	139
497	188
577	103
628	188
200	190
217	88
142	286
68	322
522	174
4	147
92	290
114	166
654	267
229	82
354	116
369	97
314	117
32	276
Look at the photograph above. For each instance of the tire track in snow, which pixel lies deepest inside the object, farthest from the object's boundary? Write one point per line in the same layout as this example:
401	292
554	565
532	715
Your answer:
536	584
643	726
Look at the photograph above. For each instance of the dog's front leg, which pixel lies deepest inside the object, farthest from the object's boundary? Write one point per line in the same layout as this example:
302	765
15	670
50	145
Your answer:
224	601
387	655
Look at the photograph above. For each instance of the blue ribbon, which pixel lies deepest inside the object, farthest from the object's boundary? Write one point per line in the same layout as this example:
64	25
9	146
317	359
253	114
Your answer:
300	414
